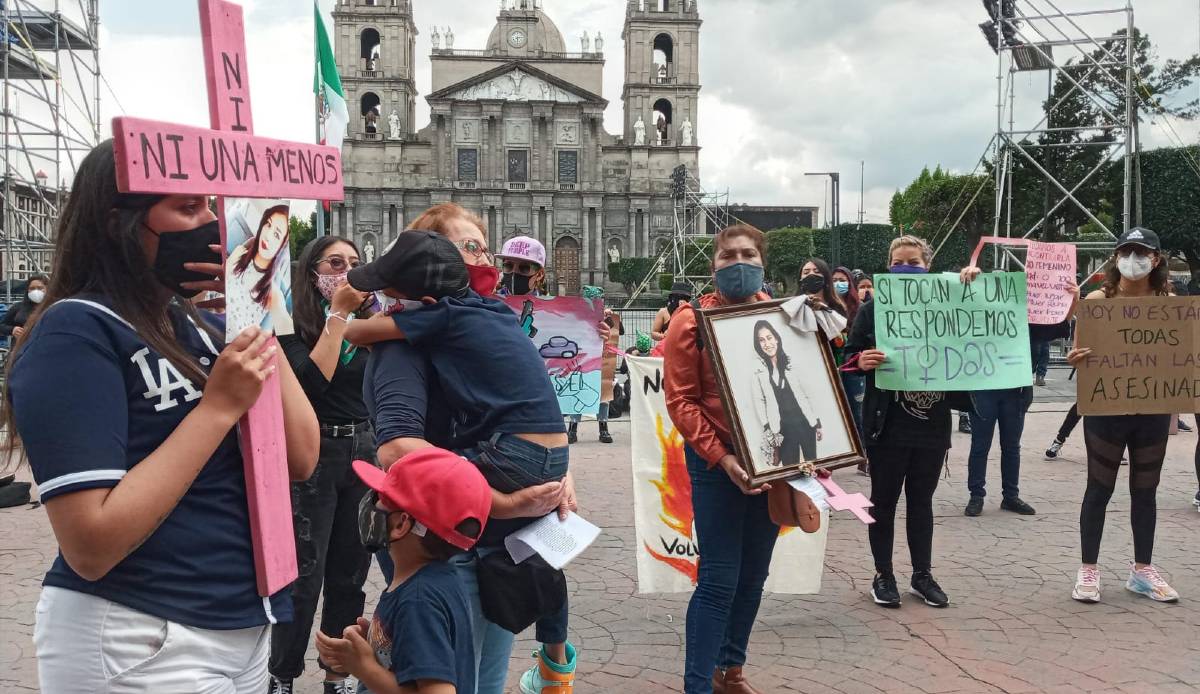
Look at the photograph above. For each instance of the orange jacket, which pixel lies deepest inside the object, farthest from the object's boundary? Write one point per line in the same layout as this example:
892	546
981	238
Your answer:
693	399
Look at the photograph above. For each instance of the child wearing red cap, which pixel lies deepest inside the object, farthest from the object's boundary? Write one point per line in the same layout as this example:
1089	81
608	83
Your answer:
430	506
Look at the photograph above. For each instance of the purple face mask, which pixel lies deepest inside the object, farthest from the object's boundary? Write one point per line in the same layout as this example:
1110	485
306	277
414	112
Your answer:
908	270
329	284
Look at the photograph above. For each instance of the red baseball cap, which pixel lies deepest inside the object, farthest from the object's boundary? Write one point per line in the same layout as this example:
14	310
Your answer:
437	488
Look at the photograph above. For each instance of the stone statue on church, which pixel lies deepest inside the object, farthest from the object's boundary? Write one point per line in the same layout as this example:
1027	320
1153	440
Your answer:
436	38
449	39
599	42
661	129
639	132
587	42
369	252
685	133
394	124
662	73
614	254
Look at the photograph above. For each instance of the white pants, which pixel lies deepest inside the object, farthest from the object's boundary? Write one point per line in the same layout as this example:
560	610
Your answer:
89	644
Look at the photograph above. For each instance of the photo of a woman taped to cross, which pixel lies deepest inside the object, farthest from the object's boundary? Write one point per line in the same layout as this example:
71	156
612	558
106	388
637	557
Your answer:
782	391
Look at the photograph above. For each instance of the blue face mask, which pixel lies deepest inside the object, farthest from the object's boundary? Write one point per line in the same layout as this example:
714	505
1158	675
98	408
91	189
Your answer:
842	288
740	281
909	270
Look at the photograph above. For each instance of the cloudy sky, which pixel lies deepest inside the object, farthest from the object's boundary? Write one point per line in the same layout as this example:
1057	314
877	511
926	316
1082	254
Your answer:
790	86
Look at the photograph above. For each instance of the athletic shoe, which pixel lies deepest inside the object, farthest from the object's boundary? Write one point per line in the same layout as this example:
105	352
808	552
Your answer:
1184	427
340	687
884	591
548	677
928	590
964	423
573	433
1055	447
1147	581
1087	584
1196	501
974	507
279	686
1041	381
1017	506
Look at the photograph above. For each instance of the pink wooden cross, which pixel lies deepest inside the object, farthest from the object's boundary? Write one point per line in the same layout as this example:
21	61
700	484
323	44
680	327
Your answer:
169	159
839	500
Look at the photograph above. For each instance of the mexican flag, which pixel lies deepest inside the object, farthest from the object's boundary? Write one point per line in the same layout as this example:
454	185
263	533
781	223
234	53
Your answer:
328	87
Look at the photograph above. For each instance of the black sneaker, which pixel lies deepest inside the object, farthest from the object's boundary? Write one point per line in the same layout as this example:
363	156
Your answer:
279	686
573	433
1017	506
974	507
924	587
964	423
1184	427
340	687
1196	501
1055	447
884	591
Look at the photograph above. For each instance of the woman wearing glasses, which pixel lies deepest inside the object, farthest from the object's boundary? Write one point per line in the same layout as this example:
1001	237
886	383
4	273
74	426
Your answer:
523	262
325	507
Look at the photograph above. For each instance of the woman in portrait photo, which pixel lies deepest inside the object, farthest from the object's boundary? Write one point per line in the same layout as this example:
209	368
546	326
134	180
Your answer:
792	428
254	265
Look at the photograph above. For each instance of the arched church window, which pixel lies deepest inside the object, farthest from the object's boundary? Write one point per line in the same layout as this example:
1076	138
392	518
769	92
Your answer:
370	112
664	114
370	44
664	57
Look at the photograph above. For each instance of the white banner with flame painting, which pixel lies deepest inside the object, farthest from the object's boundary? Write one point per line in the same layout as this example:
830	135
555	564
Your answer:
667	553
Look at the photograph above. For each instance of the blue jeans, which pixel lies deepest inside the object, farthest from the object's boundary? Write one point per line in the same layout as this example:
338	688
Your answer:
736	539
1006	408
855	386
1041	356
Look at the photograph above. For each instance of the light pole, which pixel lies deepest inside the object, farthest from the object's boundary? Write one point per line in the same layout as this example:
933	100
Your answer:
835	208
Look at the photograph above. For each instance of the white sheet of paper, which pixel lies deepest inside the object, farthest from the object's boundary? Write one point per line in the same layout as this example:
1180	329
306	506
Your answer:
559	542
814	490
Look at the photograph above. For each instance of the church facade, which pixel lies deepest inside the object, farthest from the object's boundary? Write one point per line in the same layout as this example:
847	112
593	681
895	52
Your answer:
517	132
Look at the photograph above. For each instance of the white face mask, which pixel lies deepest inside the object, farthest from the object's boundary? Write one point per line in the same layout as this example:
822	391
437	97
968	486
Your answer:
1135	267
37	296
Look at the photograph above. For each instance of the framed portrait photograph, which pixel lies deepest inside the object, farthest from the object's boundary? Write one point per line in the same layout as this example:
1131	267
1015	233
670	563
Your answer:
782	393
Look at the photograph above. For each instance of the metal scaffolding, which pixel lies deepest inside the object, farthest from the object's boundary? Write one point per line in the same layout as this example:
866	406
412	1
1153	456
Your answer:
1037	35
51	112
695	211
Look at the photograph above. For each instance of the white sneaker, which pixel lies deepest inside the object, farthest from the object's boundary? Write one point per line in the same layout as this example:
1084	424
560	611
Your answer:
1147	581
1087	585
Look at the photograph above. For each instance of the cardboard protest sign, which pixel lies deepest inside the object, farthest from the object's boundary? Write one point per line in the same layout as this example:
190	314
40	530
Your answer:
566	332
940	334
258	275
668	552
1050	271
1145	355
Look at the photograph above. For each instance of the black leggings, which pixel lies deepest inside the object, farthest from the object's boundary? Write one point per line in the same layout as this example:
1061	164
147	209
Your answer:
916	470
1198	451
1106	439
1070	422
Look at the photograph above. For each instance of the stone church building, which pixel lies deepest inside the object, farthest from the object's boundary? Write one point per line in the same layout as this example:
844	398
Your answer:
517	130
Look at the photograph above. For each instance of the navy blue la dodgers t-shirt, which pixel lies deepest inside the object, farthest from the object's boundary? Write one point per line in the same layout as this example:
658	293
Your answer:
91	400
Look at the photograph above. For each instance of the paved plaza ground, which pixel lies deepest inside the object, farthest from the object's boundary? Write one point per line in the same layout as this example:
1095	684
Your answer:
1012	626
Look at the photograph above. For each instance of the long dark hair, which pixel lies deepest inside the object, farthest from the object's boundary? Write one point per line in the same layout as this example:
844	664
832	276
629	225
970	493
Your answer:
852	300
261	291
828	295
1160	277
98	251
780	355
308	314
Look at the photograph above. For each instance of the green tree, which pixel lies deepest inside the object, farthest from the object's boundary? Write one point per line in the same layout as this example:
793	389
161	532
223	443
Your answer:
787	251
931	204
300	233
631	272
1171	185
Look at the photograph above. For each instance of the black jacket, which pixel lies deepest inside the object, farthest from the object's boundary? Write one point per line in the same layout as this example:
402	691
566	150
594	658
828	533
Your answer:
16	317
876	402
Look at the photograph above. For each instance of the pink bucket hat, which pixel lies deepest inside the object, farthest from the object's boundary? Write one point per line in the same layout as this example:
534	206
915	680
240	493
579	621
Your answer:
524	248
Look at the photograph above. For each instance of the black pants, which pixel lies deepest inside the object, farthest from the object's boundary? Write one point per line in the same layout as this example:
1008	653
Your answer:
916	470
328	551
1106	439
1069	423
1198	451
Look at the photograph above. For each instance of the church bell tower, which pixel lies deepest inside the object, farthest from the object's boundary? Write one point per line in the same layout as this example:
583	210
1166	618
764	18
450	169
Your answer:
662	73
375	43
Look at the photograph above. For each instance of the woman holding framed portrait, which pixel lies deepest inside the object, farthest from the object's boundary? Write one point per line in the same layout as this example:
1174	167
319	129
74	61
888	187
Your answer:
792	428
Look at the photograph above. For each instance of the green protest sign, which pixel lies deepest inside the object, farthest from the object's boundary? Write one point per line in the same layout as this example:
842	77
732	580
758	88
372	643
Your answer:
942	335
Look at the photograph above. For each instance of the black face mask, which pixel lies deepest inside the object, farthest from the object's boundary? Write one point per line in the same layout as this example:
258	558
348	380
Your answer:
813	284
178	247
517	285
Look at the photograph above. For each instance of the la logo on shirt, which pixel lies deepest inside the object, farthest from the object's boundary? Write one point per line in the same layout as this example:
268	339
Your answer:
169	380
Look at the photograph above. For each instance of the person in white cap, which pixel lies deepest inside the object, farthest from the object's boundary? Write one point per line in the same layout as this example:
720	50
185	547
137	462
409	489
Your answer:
523	263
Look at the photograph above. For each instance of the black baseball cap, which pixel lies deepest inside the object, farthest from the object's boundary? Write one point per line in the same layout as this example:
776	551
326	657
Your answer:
681	289
1139	236
417	264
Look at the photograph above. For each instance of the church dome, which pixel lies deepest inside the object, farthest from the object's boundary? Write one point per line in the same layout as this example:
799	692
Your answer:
545	35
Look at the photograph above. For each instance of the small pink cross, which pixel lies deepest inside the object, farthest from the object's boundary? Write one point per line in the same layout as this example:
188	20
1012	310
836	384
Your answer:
839	500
